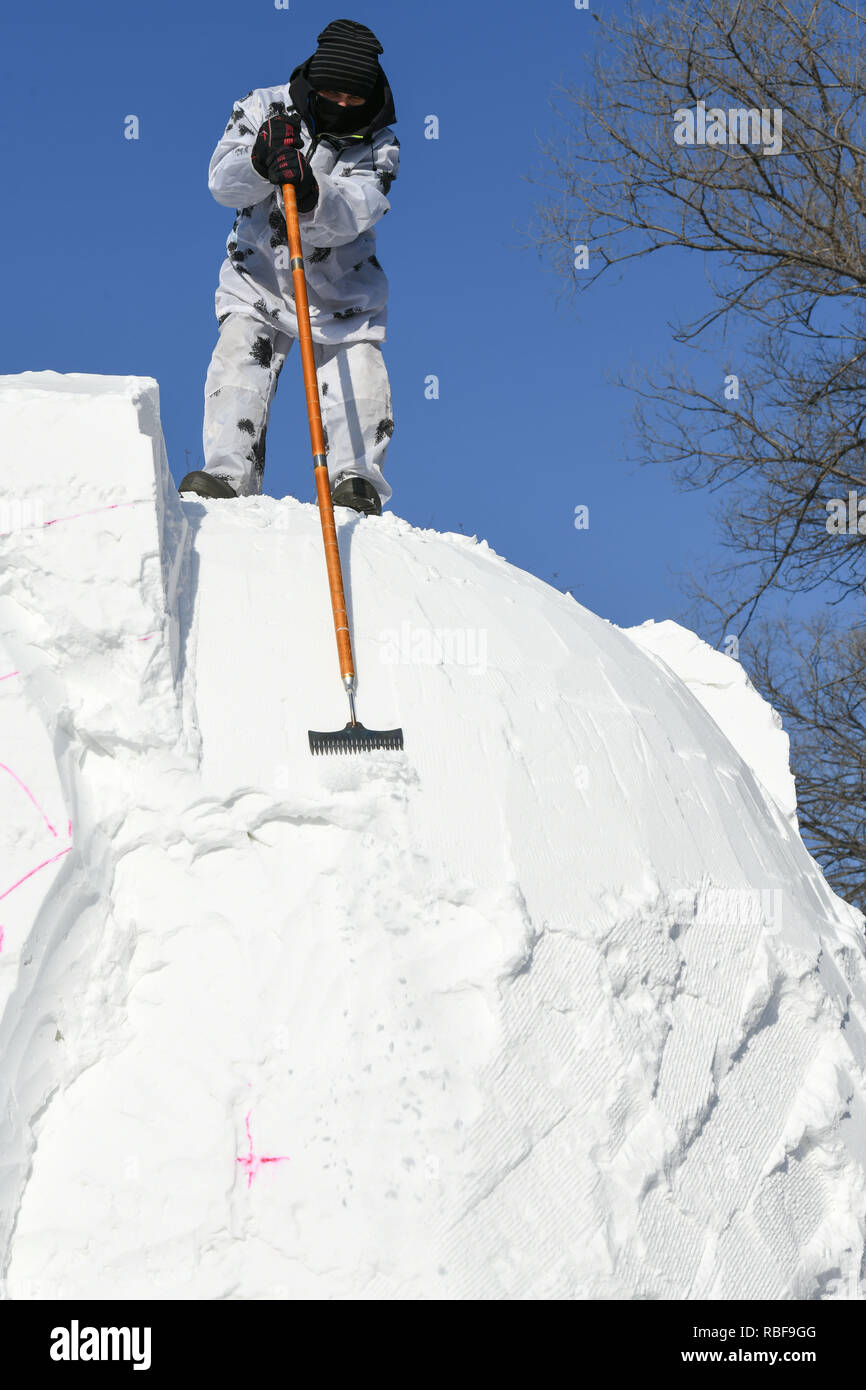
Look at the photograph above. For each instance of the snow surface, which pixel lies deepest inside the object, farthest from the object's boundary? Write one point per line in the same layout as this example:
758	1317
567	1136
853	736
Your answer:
554	1004
725	691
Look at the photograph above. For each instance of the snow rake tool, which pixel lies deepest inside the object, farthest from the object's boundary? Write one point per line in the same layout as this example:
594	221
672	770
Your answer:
354	738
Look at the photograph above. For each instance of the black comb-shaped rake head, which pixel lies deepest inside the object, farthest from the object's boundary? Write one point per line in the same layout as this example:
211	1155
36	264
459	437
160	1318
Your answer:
355	739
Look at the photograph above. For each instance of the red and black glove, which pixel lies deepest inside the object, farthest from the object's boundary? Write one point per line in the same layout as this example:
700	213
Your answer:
276	156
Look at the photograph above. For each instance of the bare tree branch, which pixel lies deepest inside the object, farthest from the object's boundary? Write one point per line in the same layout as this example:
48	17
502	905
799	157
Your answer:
780	223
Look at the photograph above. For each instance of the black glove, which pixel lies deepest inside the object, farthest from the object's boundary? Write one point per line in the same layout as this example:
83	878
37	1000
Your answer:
277	133
275	156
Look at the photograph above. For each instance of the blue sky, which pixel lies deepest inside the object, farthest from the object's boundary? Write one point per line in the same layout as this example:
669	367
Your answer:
113	250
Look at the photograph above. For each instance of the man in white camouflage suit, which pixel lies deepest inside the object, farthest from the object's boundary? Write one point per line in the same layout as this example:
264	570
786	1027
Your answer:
327	132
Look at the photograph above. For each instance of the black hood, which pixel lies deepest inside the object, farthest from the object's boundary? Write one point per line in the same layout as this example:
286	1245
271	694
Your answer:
381	104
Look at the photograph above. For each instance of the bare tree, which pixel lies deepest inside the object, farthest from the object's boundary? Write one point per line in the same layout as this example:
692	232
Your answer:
816	679
784	237
774	202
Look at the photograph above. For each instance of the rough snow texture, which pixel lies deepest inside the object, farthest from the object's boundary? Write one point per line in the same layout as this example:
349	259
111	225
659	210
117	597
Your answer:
553	1005
725	691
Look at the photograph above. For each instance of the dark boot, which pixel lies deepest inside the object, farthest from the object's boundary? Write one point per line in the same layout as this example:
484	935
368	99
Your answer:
359	494
205	485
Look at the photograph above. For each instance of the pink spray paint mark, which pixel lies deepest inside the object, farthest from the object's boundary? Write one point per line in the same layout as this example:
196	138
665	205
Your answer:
8	676
28	792
112	506
149	637
43	865
92	512
252	1161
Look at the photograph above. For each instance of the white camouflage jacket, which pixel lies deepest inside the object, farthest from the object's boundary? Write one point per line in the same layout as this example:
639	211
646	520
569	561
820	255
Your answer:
347	288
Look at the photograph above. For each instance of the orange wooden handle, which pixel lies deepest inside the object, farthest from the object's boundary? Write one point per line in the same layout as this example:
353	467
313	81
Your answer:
317	438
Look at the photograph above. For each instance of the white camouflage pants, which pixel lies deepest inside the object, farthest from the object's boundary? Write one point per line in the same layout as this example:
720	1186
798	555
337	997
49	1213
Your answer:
353	388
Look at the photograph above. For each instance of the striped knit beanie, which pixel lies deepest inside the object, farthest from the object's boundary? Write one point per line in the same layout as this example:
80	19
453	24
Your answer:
346	59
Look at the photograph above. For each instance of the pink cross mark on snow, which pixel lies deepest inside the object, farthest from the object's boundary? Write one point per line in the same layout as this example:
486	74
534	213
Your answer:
252	1161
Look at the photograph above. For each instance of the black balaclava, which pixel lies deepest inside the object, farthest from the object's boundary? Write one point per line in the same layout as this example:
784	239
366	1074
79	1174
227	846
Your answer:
346	60
333	119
